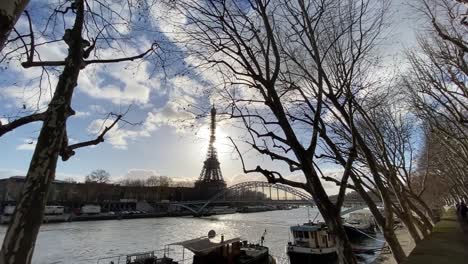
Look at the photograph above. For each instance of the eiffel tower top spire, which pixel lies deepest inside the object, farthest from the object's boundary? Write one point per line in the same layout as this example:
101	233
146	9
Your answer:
211	171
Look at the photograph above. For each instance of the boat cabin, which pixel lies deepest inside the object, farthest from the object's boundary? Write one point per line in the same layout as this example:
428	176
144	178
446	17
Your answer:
148	257
212	249
311	235
361	216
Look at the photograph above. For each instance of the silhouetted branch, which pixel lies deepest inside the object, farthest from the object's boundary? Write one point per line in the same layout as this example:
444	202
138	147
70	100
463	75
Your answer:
4	128
272	176
28	64
68	151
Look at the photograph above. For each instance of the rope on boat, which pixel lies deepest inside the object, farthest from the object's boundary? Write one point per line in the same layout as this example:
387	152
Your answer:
383	241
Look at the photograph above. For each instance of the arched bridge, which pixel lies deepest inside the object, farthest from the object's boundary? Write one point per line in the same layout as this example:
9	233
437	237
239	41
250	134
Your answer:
254	192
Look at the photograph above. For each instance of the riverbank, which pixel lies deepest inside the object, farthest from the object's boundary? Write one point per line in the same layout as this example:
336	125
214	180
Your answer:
446	244
406	241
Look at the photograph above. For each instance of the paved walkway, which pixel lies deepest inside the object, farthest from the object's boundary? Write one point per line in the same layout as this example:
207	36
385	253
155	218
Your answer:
448	243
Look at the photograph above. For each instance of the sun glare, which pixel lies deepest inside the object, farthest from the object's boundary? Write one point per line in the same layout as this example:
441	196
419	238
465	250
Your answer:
221	143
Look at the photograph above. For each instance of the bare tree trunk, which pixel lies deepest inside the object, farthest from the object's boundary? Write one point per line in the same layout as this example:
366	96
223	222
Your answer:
332	217
409	223
424	219
19	241
10	11
405	212
422	227
394	244
385	223
425	206
344	249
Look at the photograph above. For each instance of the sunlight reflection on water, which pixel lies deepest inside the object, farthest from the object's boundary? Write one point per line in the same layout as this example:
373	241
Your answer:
85	242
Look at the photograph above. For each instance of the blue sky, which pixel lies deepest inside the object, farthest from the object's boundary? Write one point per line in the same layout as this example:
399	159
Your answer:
157	98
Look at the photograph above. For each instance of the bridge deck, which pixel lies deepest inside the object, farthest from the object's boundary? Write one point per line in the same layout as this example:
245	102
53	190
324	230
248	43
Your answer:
448	243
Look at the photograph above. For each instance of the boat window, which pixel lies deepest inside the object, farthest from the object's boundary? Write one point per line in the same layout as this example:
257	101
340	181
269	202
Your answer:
306	234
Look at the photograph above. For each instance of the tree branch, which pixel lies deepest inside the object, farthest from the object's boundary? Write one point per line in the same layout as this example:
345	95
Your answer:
272	176
28	64
68	151
21	121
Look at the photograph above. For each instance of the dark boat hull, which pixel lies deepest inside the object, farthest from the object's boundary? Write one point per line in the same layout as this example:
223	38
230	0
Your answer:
306	258
356	235
219	258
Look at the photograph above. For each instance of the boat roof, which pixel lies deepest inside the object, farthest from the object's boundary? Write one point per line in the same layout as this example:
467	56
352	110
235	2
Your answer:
309	227
361	212
204	245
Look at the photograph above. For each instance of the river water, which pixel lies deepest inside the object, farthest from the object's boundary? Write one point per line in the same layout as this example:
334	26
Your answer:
86	242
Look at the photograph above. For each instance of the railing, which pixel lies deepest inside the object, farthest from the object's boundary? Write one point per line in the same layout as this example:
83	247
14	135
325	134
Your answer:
180	257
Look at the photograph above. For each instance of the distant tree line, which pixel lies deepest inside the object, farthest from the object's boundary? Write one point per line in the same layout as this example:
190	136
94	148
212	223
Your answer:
98	187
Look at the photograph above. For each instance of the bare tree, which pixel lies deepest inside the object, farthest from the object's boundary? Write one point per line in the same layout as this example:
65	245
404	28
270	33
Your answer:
391	133
436	85
70	180
98	176
446	169
436	80
289	72
92	20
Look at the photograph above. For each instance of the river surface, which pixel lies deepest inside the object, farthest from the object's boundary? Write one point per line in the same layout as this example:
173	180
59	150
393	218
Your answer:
86	242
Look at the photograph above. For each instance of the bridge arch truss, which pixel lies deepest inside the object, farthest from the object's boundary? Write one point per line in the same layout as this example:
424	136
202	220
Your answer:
259	191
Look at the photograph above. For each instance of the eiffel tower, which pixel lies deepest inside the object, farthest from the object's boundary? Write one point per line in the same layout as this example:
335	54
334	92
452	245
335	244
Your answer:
211	179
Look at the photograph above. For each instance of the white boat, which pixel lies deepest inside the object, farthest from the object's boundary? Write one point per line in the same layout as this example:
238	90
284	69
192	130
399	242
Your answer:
90	209
359	224
255	208
52	213
311	244
218	210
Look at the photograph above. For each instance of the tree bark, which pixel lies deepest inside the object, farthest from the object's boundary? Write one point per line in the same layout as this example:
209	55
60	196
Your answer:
19	241
426	223
385	223
10	12
332	218
425	206
409	223
405	212
344	249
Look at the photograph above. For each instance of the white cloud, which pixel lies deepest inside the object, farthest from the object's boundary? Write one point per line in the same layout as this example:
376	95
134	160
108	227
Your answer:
170	115
120	83
27	90
97	109
169	21
117	138
82	114
141	173
27	145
